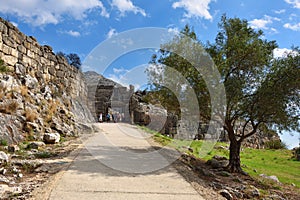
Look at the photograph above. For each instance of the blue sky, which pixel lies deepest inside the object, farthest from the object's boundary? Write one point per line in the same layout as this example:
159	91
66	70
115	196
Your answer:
79	26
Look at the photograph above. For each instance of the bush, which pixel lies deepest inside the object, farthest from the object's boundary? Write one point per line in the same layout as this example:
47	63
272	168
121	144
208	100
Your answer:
3	68
275	144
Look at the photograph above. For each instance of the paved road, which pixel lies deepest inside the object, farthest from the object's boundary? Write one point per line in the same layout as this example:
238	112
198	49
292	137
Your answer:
119	163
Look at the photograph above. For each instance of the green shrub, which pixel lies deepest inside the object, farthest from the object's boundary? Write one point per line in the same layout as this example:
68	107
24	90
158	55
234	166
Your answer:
3	142
3	68
275	144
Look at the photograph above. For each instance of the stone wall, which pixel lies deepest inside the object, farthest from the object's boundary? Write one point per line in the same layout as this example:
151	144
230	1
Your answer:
23	55
40	92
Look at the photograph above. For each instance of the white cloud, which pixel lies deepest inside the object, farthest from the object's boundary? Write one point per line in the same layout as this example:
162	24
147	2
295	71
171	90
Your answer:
112	32
40	13
295	3
120	70
280	53
73	33
263	22
295	27
127	6
280	11
194	8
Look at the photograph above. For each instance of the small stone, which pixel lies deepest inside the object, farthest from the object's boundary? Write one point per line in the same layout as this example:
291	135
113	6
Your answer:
3	171
13	148
35	145
273	178
226	194
20	175
51	138
3	157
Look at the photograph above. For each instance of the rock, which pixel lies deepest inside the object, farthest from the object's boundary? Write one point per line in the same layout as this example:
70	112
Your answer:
51	138
4	180
226	194
251	192
217	163
35	145
273	178
217	157
3	171
31	82
13	148
224	173
3	157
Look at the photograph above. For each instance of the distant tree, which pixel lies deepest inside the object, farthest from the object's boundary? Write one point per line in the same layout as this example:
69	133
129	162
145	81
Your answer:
74	60
62	54
262	92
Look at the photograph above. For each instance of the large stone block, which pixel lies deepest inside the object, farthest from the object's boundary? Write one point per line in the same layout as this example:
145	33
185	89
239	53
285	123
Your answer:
3	28
6	49
10	60
9	41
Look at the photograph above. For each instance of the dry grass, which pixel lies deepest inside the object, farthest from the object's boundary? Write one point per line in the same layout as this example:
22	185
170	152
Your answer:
24	91
9	107
31	115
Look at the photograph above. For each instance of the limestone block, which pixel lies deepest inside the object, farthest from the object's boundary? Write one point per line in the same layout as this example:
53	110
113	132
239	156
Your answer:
10	60
45	61
60	74
6	49
14	53
22	49
27	60
14	35
3	28
27	44
9	41
30	54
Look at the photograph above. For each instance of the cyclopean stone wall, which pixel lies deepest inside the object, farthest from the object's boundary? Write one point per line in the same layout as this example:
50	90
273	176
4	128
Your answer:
24	55
41	83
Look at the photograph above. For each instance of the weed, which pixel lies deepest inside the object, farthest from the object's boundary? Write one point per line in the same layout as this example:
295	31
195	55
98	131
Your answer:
3	67
9	107
3	142
30	115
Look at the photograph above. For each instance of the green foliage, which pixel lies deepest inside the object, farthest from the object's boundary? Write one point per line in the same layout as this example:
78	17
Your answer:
260	90
3	67
3	142
73	59
44	154
275	144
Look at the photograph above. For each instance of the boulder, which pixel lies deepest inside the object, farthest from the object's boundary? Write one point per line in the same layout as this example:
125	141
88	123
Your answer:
51	138
3	157
226	194
35	145
273	178
13	148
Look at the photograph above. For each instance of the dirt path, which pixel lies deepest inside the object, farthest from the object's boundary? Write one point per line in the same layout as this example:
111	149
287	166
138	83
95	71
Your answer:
119	163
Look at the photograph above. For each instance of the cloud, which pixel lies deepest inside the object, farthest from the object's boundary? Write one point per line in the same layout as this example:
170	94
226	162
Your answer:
120	70
263	22
112	32
73	33
283	52
125	6
39	13
295	27
295	3
194	8
280	11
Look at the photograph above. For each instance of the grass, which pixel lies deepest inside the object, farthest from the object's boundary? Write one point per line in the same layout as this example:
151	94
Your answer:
279	162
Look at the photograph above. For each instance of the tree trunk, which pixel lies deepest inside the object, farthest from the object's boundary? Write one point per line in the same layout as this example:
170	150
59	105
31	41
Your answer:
234	157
